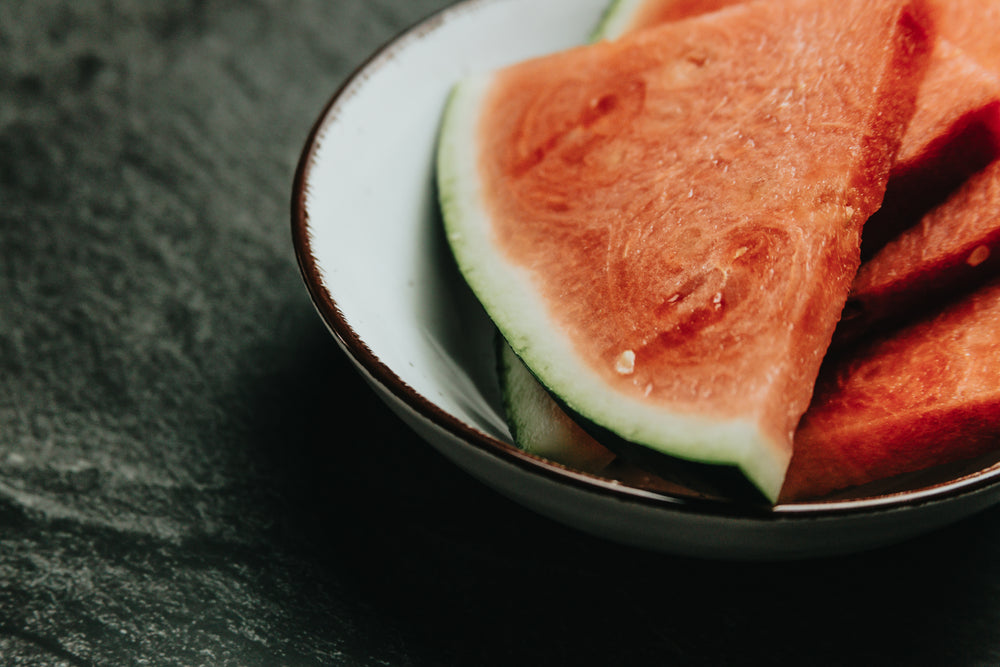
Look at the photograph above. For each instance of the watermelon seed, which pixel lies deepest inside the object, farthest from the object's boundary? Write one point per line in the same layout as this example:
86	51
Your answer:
978	256
625	364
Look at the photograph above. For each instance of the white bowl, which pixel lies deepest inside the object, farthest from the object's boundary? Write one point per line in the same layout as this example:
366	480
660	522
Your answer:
368	237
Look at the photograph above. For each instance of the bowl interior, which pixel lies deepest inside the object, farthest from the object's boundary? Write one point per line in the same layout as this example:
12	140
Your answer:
374	229
369	234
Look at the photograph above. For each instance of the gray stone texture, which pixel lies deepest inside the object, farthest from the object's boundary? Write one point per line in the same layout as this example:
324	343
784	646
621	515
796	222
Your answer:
192	474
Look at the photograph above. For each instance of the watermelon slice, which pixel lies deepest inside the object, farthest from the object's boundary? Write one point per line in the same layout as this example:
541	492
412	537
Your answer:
953	133
924	396
955	247
537	423
973	25
665	227
541	427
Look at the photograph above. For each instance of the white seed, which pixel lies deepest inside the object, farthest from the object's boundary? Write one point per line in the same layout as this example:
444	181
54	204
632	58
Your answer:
625	364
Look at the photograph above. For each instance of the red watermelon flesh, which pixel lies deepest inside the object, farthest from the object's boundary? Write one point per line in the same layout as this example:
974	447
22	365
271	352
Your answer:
693	201
924	396
954	247
953	131
950	248
972	25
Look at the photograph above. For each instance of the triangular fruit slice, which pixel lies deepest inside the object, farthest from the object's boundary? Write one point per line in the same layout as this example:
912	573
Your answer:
952	134
955	132
925	396
954	248
665	227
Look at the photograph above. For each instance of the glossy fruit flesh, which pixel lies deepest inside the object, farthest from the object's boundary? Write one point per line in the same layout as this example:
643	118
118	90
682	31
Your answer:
972	25
954	133
953	249
955	129
676	215
927	395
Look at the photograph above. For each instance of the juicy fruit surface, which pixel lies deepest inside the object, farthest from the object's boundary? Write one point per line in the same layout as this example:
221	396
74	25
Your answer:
919	398
948	252
973	25
954	248
698	251
694	213
954	133
956	121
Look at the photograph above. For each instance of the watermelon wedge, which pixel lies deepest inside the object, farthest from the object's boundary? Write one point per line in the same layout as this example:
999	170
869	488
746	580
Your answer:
924	396
953	133
665	227
537	423
972	25
953	249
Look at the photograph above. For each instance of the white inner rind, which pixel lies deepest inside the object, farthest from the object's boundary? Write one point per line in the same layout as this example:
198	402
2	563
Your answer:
514	304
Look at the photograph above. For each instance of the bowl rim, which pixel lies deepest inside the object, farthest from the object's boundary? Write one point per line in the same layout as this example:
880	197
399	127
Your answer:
355	347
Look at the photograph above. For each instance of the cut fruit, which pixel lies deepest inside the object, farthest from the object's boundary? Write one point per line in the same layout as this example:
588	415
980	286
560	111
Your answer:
539	426
954	129
665	227
954	133
954	248
925	396
542	428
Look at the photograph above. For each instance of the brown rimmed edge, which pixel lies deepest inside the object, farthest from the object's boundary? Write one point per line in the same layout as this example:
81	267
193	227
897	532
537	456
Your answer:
338	325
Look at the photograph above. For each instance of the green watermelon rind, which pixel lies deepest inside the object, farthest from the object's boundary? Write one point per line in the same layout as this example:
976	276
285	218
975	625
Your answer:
537	423
615	20
505	291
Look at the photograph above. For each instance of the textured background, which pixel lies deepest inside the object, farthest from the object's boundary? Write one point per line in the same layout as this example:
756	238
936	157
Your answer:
180	478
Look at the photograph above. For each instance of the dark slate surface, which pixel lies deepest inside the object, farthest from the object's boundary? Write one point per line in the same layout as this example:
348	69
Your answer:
180	483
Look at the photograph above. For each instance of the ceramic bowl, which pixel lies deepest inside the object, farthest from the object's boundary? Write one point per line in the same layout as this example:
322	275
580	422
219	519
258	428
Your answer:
369	241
